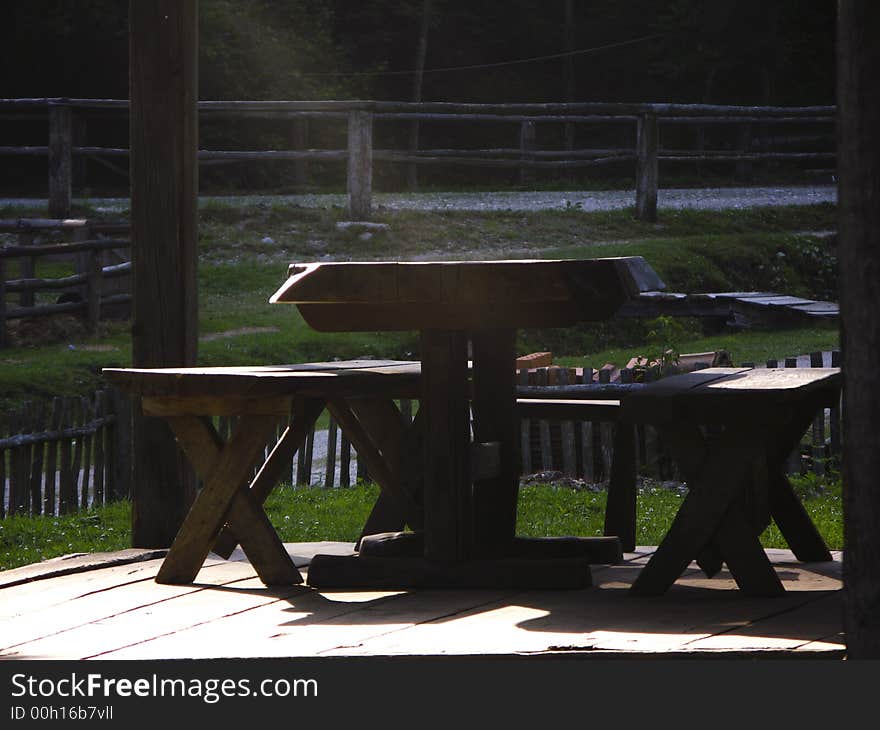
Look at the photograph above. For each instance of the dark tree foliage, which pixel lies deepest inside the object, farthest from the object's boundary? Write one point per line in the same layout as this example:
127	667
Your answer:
725	51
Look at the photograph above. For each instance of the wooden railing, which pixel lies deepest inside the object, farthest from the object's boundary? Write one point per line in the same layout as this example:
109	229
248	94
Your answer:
65	455
86	290
640	124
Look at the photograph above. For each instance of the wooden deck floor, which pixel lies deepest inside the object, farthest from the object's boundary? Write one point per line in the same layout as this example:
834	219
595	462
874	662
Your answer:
108	607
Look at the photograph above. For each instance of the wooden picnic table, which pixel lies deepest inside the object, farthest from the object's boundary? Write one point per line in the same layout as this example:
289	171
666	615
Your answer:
731	431
467	314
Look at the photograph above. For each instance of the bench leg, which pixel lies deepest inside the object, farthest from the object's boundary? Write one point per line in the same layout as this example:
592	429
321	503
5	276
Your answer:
225	470
786	509
376	430
711	514
305	413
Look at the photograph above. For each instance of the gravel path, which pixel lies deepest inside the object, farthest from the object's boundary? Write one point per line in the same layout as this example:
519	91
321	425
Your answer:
587	200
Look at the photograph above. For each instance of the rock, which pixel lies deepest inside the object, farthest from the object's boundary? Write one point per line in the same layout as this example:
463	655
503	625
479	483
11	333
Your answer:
362	226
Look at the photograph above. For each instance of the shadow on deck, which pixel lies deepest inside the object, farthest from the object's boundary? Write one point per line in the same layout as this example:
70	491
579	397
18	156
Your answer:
108	606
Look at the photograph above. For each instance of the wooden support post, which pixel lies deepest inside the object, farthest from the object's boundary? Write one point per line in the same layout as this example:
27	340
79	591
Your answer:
360	165
494	403
858	165
526	147
60	164
445	396
163	53
79	163
646	173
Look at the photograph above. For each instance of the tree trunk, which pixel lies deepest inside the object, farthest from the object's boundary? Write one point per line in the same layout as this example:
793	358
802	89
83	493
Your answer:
568	68
859	224
163	56
418	77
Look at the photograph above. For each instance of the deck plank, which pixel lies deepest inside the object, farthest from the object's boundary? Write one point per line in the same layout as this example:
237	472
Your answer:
119	612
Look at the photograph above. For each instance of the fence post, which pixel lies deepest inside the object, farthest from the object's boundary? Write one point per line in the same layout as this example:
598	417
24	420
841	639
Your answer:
744	167
300	134
27	267
646	173
526	147
360	164
60	166
93	289
120	446
4	335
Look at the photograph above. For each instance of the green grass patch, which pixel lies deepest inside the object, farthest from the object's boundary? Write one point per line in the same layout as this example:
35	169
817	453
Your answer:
25	540
311	514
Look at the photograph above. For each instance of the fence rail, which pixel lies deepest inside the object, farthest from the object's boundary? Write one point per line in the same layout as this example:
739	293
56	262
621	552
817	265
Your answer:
97	285
640	122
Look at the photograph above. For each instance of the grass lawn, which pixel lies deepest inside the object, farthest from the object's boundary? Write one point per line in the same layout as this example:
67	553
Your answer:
312	514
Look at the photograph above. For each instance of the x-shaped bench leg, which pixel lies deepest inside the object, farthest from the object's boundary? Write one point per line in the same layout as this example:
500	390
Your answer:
376	429
305	413
225	470
786	509
713	514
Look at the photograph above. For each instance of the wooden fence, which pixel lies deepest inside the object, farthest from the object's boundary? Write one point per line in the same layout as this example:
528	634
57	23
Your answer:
65	455
101	280
72	453
639	125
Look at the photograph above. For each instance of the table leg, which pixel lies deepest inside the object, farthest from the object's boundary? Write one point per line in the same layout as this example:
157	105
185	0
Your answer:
226	470
445	402
620	510
494	409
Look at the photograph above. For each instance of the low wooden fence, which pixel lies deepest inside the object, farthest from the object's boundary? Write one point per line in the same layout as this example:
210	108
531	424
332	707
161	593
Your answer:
73	453
639	129
102	275
65	455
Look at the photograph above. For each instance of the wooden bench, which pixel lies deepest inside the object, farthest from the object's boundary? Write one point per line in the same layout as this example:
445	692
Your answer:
731	431
360	394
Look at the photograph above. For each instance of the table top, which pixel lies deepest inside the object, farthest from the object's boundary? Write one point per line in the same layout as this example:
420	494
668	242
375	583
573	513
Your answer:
405	295
720	392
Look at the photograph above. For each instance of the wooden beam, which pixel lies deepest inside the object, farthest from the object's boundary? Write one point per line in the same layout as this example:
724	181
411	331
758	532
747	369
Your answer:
163	53
859	220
